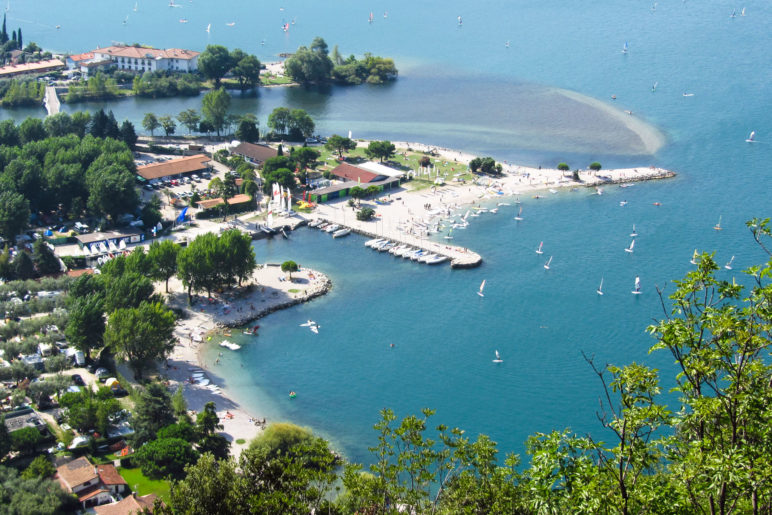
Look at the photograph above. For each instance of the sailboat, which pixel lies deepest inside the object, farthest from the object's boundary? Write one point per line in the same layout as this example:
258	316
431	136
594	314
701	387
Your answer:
728	266
209	27
637	290
519	216
718	225
624	48
654	87
694	257
459	20
231	24
633	234
742	13
310	323
370	20
482	287
136	4
751	137
539	251
498	358
599	291
547	264
734	13
630	248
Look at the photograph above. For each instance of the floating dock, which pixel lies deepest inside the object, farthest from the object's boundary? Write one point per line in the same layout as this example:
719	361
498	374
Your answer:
459	257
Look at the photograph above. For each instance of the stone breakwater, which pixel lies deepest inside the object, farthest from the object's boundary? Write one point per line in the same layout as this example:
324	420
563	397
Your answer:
319	285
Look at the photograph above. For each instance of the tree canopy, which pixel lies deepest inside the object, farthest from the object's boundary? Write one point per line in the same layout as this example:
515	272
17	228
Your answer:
215	106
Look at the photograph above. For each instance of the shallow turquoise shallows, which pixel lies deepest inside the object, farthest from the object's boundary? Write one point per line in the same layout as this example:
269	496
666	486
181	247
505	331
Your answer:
462	87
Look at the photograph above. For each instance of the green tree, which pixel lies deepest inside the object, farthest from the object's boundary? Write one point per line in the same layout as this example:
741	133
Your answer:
127	290
288	267
301	125
357	193
365	214
111	190
141	335
214	63
44	258
340	144
168	125
190	119
150	123
163	255
210	486
236	255
215	106
5	439
152	411
182	430
32	129
26	440
310	65
246	70
128	135
23	267
86	325
305	156
247	129
563	167
179	405
14	214
279	120
195	266
280	437
59	124
165	458
34	496
41	467
595	166
380	149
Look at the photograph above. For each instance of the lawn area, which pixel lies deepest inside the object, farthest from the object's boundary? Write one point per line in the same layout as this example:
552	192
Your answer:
143	485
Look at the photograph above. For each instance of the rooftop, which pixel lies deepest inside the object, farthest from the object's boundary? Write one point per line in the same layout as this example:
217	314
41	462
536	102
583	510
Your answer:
109	475
380	169
354	173
85	56
75	473
173	167
147	53
107	235
236	199
40	66
130	504
256	153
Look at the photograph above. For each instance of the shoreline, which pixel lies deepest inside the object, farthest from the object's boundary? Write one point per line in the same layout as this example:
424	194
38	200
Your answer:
207	318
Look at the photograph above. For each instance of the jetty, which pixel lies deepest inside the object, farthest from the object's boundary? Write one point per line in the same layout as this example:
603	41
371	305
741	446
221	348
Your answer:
459	257
51	101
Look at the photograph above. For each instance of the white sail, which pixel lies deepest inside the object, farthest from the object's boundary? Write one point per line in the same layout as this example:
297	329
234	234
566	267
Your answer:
482	287
637	283
751	137
631	247
728	266
634	233
547	264
539	251
600	288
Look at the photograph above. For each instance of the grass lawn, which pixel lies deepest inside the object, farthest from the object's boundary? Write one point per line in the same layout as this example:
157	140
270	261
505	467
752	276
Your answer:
143	485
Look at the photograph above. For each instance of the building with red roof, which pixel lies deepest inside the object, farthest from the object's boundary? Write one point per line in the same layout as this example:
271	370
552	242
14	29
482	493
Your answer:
144	59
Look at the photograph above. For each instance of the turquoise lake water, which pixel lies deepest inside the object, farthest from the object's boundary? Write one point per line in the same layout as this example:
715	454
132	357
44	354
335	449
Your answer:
460	87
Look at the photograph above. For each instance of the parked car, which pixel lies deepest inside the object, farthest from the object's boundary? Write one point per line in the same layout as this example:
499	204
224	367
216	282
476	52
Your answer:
77	380
102	374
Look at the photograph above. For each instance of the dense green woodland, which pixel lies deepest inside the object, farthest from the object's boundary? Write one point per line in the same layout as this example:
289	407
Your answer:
68	165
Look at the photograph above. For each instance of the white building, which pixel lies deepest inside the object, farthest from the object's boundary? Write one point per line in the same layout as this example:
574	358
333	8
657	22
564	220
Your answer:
143	59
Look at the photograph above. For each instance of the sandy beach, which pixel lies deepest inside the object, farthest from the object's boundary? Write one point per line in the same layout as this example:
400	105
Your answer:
204	318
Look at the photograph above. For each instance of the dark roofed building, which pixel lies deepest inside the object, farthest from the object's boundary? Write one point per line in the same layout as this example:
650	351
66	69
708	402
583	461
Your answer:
255	154
174	167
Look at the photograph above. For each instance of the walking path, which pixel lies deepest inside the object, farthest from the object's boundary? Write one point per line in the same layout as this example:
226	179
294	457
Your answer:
51	101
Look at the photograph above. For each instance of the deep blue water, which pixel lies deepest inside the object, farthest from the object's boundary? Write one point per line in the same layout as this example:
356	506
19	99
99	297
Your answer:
460	87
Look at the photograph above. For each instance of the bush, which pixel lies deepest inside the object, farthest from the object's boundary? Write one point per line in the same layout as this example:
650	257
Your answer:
595	166
165	457
563	167
365	214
